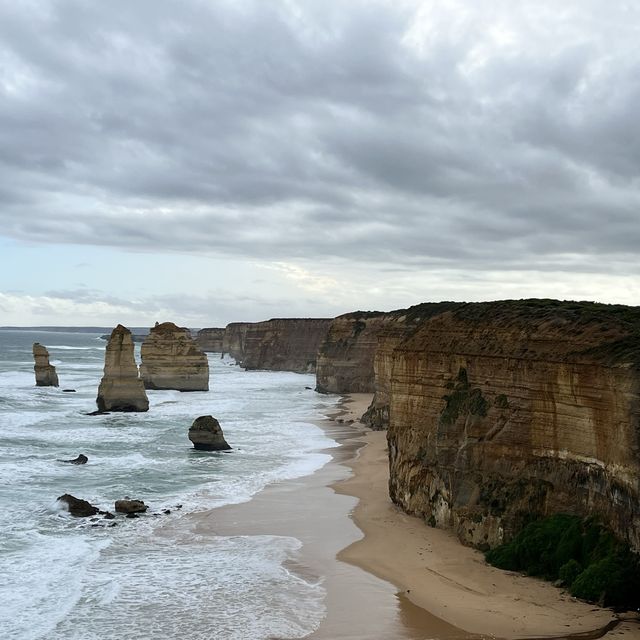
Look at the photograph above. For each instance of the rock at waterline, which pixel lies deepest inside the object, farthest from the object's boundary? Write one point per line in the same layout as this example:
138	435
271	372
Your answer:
78	507
206	435
81	459
130	506
46	375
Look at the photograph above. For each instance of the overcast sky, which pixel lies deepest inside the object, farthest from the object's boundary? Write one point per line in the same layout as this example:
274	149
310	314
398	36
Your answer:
209	161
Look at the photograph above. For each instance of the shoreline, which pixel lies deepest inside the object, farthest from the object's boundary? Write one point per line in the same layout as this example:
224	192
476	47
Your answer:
452	581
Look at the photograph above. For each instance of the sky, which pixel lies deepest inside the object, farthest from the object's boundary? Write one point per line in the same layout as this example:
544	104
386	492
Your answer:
206	161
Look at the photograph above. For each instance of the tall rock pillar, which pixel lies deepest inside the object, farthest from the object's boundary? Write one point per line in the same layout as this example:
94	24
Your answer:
120	388
46	375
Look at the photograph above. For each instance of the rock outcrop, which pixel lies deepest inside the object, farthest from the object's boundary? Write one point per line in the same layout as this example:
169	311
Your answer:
81	459
130	506
171	359
46	375
120	388
233	339
78	507
500	412
283	344
346	355
211	339
206	435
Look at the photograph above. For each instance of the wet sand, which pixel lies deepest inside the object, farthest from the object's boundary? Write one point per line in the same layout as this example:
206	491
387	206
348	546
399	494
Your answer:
403	580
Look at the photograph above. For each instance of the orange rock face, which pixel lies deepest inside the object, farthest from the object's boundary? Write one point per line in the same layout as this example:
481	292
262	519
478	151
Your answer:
503	411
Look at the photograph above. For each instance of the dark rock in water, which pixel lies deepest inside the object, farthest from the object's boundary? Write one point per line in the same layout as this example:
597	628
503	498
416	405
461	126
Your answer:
130	506
309	388
78	507
206	435
68	391
113	524
167	512
97	412
108	515
132	515
81	459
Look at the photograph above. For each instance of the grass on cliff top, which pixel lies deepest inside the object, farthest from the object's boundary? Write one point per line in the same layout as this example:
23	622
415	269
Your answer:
589	560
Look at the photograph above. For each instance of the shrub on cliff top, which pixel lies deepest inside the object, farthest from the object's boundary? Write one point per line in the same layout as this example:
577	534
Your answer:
586	556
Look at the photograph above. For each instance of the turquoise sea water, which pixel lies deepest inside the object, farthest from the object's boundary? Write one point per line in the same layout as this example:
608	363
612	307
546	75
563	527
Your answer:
64	577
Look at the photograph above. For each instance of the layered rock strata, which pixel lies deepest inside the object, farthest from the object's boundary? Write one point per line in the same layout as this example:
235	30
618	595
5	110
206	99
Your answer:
345	357
500	412
283	344
211	339
171	359
46	375
234	338
120	388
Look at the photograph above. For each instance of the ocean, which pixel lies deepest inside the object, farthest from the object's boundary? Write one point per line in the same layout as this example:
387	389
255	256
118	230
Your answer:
75	578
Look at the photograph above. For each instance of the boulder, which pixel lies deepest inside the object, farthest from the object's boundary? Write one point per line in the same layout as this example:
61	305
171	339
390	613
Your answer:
130	506
81	459
46	375
171	359
120	388
206	435
78	507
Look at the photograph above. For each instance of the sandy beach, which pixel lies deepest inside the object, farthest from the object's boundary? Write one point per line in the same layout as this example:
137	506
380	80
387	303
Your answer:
446	578
389	576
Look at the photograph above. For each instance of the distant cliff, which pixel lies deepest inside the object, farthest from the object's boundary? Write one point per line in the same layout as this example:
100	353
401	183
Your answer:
233	339
346	355
355	355
280	344
503	411
211	339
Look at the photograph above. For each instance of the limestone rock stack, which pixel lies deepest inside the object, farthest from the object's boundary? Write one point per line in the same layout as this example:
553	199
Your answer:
171	359
206	435
46	375
504	411
120	388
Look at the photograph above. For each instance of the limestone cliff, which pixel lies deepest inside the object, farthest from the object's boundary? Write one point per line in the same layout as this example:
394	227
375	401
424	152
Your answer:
211	339
283	344
46	375
345	357
233	339
503	411
353	358
171	359
120	388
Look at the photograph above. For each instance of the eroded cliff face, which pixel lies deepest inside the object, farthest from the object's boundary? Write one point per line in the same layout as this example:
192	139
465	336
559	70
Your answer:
283	344
233	339
503	411
211	339
46	375
345	357
171	359
120	388
398	326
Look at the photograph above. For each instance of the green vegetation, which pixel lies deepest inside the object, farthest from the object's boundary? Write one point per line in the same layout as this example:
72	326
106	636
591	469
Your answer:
463	400
589	560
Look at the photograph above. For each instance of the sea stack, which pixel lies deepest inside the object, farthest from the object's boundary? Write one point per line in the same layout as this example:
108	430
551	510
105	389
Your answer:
120	388
171	359
46	375
206	435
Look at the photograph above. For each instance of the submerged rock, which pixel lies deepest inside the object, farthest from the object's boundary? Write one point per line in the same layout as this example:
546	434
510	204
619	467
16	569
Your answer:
78	507
130	506
171	359
120	388
46	375
81	459
206	435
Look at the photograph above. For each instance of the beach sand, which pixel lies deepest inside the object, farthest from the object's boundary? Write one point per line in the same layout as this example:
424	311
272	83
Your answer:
403	580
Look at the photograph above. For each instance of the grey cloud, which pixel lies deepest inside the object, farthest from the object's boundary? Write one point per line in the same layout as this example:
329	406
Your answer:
309	129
